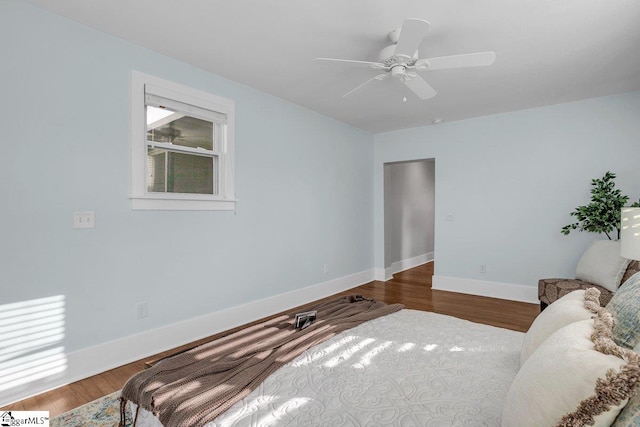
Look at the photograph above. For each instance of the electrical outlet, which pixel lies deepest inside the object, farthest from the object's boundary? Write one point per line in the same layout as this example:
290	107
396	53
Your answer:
483	268
142	310
84	219
326	268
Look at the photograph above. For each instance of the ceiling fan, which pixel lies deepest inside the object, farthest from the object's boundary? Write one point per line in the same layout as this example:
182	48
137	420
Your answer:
400	60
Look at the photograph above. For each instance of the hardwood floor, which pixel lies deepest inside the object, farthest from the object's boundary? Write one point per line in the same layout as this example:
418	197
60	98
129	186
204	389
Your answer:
411	288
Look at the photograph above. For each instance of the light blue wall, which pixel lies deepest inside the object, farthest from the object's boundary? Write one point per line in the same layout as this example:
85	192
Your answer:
303	182
512	179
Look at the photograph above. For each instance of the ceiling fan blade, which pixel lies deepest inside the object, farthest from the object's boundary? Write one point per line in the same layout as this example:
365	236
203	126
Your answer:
378	77
374	65
420	87
456	61
411	35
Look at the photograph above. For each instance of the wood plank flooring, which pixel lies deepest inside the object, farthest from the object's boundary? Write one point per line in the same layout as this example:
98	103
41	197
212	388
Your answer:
411	288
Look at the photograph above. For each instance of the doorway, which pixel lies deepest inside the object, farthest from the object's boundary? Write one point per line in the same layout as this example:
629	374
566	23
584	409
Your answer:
409	214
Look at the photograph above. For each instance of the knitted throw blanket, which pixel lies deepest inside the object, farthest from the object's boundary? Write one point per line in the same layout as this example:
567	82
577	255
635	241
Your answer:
194	387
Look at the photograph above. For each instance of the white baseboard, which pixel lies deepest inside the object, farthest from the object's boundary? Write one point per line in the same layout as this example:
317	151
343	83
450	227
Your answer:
388	273
93	360
406	264
487	289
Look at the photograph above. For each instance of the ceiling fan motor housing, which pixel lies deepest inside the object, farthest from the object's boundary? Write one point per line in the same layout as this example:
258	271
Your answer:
399	71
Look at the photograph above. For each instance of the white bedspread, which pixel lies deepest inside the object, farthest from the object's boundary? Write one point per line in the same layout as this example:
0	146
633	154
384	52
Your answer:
410	368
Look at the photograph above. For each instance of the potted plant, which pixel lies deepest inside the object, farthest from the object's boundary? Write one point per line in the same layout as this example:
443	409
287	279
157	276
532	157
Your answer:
602	215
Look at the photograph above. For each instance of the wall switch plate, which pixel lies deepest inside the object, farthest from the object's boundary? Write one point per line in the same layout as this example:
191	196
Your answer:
326	268
483	268
84	219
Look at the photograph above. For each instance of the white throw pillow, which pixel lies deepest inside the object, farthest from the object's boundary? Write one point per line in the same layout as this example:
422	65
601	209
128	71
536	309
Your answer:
567	377
568	309
602	265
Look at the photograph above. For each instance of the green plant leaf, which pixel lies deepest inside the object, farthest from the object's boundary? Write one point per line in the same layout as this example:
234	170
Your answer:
602	215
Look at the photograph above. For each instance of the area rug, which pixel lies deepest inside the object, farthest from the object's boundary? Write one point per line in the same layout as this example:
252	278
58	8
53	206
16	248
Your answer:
103	412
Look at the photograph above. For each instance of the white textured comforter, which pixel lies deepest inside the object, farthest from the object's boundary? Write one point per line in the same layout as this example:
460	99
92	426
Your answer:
410	368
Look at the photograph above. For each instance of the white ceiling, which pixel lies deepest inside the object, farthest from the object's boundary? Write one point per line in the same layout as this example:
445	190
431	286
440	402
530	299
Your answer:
548	51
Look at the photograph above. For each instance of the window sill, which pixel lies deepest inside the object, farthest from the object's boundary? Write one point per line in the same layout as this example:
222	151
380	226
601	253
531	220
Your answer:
183	204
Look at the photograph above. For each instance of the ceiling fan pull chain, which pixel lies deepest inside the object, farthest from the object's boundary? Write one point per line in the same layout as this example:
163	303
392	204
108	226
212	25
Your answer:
404	83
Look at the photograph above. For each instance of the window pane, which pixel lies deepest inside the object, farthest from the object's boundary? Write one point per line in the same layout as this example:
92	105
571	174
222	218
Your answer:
156	176
171	172
166	125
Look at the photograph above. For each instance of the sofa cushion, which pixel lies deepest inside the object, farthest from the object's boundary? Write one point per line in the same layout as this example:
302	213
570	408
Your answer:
602	265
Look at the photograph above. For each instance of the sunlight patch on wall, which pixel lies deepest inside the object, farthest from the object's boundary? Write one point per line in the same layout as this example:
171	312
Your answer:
31	333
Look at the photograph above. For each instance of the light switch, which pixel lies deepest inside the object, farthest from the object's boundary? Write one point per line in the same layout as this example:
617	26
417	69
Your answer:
84	219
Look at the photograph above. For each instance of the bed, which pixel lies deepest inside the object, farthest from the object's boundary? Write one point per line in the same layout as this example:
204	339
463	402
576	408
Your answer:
410	368
577	365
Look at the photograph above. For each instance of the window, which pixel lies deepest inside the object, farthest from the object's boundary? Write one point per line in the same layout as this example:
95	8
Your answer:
182	147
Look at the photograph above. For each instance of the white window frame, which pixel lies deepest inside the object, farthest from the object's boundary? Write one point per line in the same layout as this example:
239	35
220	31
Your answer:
141	198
